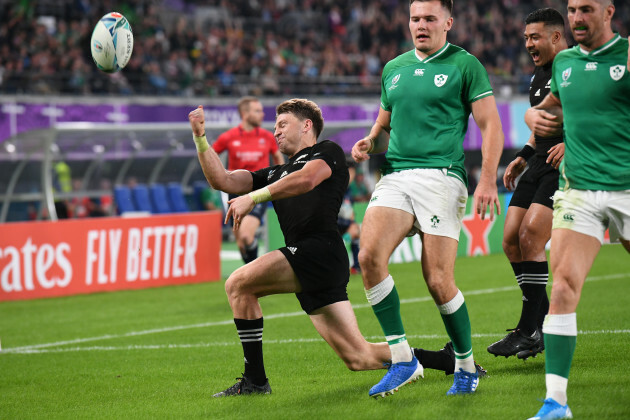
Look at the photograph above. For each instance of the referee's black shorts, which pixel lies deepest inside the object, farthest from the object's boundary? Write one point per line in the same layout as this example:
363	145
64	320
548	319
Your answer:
537	185
321	265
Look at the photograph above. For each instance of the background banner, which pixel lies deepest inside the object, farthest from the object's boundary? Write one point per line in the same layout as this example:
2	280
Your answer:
44	259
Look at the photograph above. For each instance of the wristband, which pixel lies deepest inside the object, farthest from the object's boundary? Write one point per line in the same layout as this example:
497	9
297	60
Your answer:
201	142
371	145
526	152
261	195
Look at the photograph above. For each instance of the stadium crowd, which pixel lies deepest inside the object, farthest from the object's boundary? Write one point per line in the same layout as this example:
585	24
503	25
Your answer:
240	47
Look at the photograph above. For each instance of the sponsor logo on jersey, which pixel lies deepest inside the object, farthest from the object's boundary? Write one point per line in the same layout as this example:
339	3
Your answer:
617	72
548	84
292	249
565	77
440	79
236	143
285	173
435	221
568	217
591	67
394	81
299	159
261	140
537	93
418	72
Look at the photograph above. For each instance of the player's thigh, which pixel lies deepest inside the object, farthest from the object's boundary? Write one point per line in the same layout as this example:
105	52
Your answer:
513	219
267	275
383	229
536	224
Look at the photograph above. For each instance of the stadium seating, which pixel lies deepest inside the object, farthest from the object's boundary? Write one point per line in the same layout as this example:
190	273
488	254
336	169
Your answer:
122	196
140	194
176	197
159	201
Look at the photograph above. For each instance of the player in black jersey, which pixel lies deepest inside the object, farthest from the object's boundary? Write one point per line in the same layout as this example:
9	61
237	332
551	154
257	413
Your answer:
306	193
529	216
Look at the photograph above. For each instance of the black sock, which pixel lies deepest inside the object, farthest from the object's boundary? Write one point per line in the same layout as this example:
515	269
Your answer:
251	252
250	333
533	284
354	247
437	360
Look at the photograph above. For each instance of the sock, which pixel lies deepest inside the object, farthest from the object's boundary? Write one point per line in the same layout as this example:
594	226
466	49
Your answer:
533	283
386	306
437	360
455	316
251	252
560	332
250	333
354	247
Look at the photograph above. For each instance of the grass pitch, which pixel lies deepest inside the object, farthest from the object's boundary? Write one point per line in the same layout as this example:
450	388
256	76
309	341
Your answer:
162	353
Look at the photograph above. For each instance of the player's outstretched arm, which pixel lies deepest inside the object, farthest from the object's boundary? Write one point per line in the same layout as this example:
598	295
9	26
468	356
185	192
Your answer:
486	196
234	182
373	142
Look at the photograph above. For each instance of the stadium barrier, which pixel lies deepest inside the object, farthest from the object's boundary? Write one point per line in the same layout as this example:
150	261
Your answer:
46	259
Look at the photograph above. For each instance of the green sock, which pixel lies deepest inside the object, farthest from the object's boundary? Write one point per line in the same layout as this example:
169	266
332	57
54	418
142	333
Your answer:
387	312
458	328
559	351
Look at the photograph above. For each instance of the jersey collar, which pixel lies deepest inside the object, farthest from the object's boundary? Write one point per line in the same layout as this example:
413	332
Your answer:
432	56
603	48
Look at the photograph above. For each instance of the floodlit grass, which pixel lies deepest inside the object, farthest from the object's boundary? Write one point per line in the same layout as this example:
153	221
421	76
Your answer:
162	353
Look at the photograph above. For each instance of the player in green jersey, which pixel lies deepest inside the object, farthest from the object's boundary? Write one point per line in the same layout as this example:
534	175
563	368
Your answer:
592	85
427	95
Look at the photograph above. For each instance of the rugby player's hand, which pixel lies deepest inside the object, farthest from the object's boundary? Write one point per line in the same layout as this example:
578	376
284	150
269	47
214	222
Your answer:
514	169
361	149
556	154
543	123
486	197
197	121
239	208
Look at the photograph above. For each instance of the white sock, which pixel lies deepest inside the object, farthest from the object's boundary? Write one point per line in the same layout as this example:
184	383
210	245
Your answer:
401	352
556	388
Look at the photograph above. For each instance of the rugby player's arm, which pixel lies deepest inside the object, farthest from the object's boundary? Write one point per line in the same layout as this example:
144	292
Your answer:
486	115
378	139
312	174
233	182
545	119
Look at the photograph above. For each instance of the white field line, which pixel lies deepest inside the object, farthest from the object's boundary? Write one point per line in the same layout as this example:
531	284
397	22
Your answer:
267	342
35	348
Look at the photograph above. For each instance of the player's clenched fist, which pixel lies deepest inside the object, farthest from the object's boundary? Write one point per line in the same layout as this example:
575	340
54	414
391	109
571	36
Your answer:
197	121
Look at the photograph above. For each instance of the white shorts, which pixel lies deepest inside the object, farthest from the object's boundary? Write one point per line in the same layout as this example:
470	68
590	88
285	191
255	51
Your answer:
592	212
437	200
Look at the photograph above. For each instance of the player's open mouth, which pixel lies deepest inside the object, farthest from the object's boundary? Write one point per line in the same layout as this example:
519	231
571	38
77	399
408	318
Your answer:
535	55
422	37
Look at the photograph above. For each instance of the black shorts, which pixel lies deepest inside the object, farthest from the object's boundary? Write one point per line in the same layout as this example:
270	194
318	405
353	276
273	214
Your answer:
321	265
537	185
258	211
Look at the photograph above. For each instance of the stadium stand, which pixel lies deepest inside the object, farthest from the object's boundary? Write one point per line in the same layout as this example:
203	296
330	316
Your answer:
233	48
159	200
176	198
140	194
122	198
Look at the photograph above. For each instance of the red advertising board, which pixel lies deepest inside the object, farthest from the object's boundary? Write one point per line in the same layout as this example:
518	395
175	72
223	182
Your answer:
45	259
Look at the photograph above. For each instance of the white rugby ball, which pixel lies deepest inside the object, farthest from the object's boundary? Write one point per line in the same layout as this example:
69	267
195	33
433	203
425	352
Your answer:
112	42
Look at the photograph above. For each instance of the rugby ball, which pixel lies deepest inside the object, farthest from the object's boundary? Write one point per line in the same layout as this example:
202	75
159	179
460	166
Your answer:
112	42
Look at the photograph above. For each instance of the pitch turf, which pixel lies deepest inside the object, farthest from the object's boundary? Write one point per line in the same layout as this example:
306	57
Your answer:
162	353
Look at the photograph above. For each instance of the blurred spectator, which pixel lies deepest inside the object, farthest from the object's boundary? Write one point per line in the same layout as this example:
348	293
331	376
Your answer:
240	47
358	189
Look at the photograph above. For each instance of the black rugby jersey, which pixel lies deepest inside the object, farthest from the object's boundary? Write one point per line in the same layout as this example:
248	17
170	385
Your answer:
539	87
317	210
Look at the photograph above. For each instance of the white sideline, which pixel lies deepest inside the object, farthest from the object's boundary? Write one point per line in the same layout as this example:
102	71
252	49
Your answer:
35	348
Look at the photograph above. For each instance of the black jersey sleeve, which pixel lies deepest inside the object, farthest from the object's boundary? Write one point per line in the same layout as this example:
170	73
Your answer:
262	176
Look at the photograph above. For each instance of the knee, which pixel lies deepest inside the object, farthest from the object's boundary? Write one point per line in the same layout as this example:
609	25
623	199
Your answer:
531	241
233	286
368	260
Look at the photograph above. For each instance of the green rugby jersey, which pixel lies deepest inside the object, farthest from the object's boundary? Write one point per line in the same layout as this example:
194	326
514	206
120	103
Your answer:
594	88
430	101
